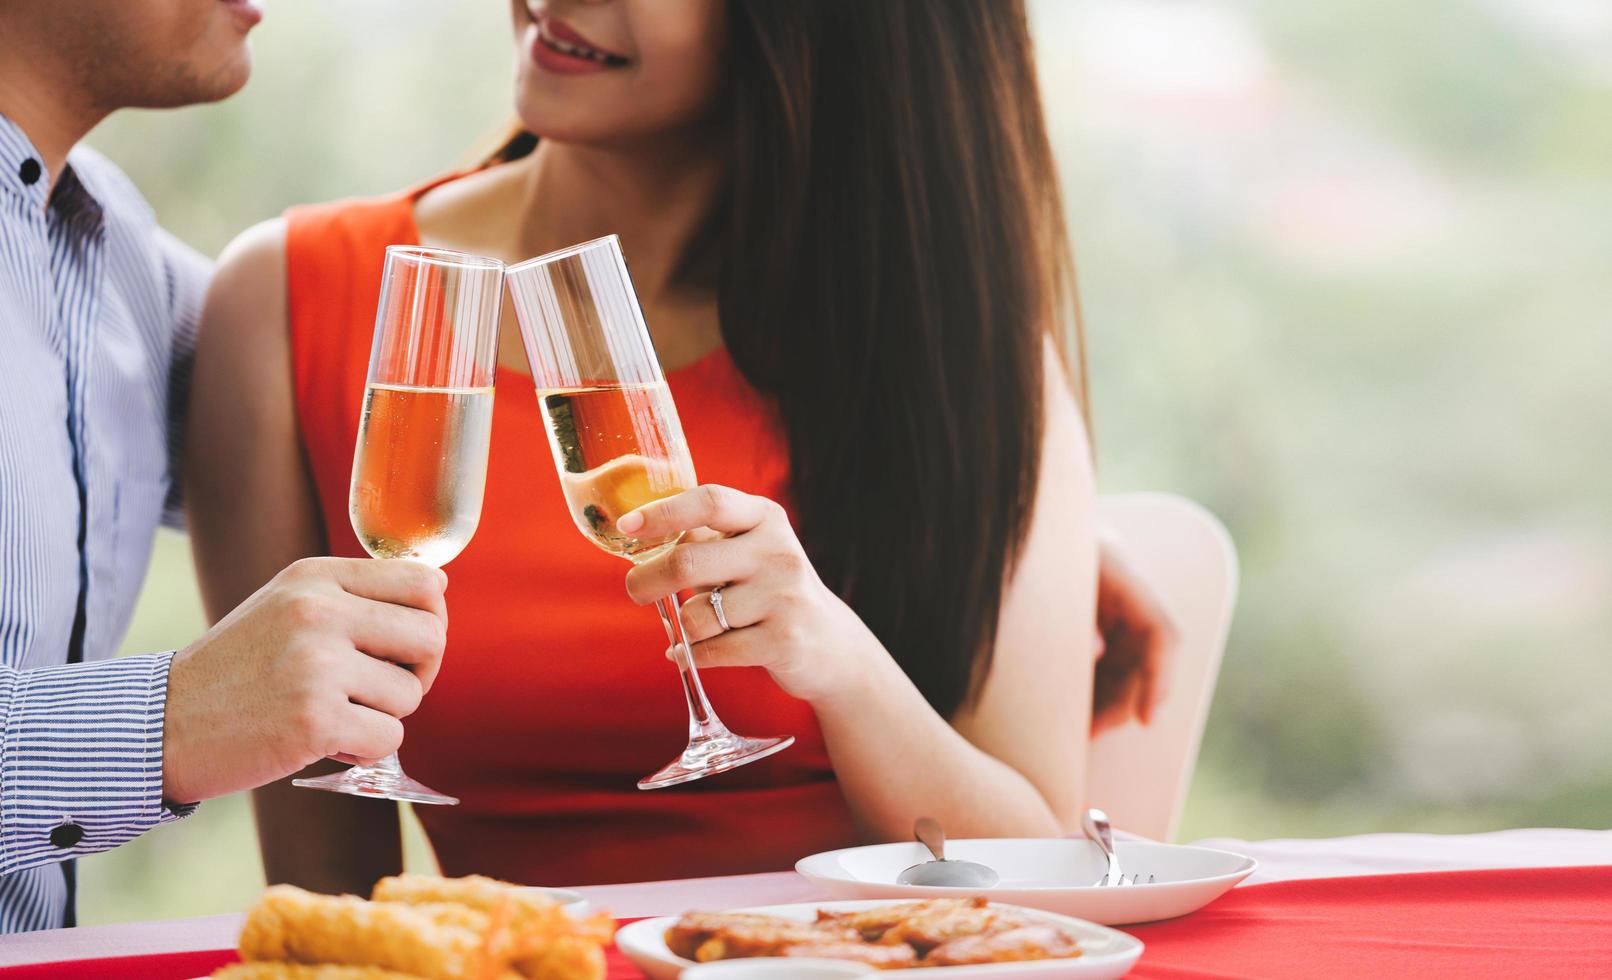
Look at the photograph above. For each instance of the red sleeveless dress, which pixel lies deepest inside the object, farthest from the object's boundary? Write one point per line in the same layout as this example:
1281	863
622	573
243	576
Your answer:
554	696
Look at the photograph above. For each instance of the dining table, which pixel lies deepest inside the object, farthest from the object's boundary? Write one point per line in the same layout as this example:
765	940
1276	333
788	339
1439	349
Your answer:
1527	902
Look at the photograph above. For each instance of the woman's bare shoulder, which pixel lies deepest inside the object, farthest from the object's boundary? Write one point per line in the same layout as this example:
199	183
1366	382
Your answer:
261	245
248	287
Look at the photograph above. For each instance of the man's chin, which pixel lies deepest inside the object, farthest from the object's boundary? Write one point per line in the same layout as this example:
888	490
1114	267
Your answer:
202	86
227	79
233	77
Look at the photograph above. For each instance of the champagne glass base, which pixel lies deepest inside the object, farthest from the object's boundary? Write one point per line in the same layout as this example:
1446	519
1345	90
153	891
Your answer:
707	757
377	784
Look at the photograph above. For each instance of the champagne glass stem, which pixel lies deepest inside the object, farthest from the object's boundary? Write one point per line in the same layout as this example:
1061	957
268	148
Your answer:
702	720
384	770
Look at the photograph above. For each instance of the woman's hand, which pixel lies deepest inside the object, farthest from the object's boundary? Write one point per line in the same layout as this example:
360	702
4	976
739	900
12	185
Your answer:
781	615
1137	645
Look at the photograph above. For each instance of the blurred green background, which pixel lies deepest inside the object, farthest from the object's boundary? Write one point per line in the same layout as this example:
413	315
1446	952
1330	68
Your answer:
1346	272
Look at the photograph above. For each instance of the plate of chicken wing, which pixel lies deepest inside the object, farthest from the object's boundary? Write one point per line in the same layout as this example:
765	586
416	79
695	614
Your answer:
964	939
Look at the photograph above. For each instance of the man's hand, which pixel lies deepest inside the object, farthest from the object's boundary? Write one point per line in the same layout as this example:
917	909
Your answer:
320	662
1137	644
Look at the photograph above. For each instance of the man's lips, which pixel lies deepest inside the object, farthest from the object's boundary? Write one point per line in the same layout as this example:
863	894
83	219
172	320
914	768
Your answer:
247	13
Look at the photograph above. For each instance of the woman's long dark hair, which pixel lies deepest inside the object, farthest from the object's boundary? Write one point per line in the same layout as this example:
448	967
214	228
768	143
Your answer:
890	255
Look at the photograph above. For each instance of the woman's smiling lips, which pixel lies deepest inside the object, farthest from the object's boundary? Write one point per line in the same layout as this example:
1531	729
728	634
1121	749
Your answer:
559	48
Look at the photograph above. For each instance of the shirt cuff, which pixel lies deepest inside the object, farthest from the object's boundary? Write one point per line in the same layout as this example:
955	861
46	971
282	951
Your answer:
81	760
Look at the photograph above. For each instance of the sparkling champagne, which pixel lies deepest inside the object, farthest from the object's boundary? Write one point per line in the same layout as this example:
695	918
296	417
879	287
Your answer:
420	470
621	447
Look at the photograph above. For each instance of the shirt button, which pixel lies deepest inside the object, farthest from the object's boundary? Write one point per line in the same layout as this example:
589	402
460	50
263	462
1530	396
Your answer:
66	834
30	171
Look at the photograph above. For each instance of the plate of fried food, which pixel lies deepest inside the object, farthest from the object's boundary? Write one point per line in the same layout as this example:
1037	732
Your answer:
415	927
960	939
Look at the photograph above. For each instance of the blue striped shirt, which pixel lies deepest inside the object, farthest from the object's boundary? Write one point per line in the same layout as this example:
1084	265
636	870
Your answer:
98	315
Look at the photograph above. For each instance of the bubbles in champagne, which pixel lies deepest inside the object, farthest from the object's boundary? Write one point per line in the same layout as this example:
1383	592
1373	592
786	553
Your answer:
420	470
618	447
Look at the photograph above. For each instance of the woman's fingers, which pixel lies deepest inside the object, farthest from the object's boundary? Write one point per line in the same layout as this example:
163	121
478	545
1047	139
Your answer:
1162	647
1118	707
738	648
1141	639
716	507
742	606
692	565
773	602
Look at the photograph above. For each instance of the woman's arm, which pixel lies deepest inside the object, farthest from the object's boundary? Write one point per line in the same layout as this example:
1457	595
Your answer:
1034	713
252	512
1013	763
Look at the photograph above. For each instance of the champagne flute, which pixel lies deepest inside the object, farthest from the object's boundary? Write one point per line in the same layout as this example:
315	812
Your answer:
618	445
421	463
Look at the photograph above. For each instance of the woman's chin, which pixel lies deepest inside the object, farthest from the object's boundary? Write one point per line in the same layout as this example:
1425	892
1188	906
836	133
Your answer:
558	116
552	131
568	121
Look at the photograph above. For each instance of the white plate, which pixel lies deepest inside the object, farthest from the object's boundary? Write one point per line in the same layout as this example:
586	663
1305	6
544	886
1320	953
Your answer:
1107	953
1054	875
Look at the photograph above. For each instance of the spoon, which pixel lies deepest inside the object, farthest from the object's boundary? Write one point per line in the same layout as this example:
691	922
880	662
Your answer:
1095	823
942	873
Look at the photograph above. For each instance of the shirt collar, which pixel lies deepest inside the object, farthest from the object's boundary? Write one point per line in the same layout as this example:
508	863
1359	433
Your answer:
19	159
78	192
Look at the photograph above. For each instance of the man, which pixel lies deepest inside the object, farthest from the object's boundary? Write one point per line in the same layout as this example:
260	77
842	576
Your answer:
98	312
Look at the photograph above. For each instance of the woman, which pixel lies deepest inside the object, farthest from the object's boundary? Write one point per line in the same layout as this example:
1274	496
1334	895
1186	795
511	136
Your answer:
844	228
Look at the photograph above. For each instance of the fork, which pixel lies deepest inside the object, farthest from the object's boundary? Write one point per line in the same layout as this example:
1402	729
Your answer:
1095	823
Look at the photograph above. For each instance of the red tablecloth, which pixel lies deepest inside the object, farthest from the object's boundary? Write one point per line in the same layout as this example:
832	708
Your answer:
1537	923
1544	923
